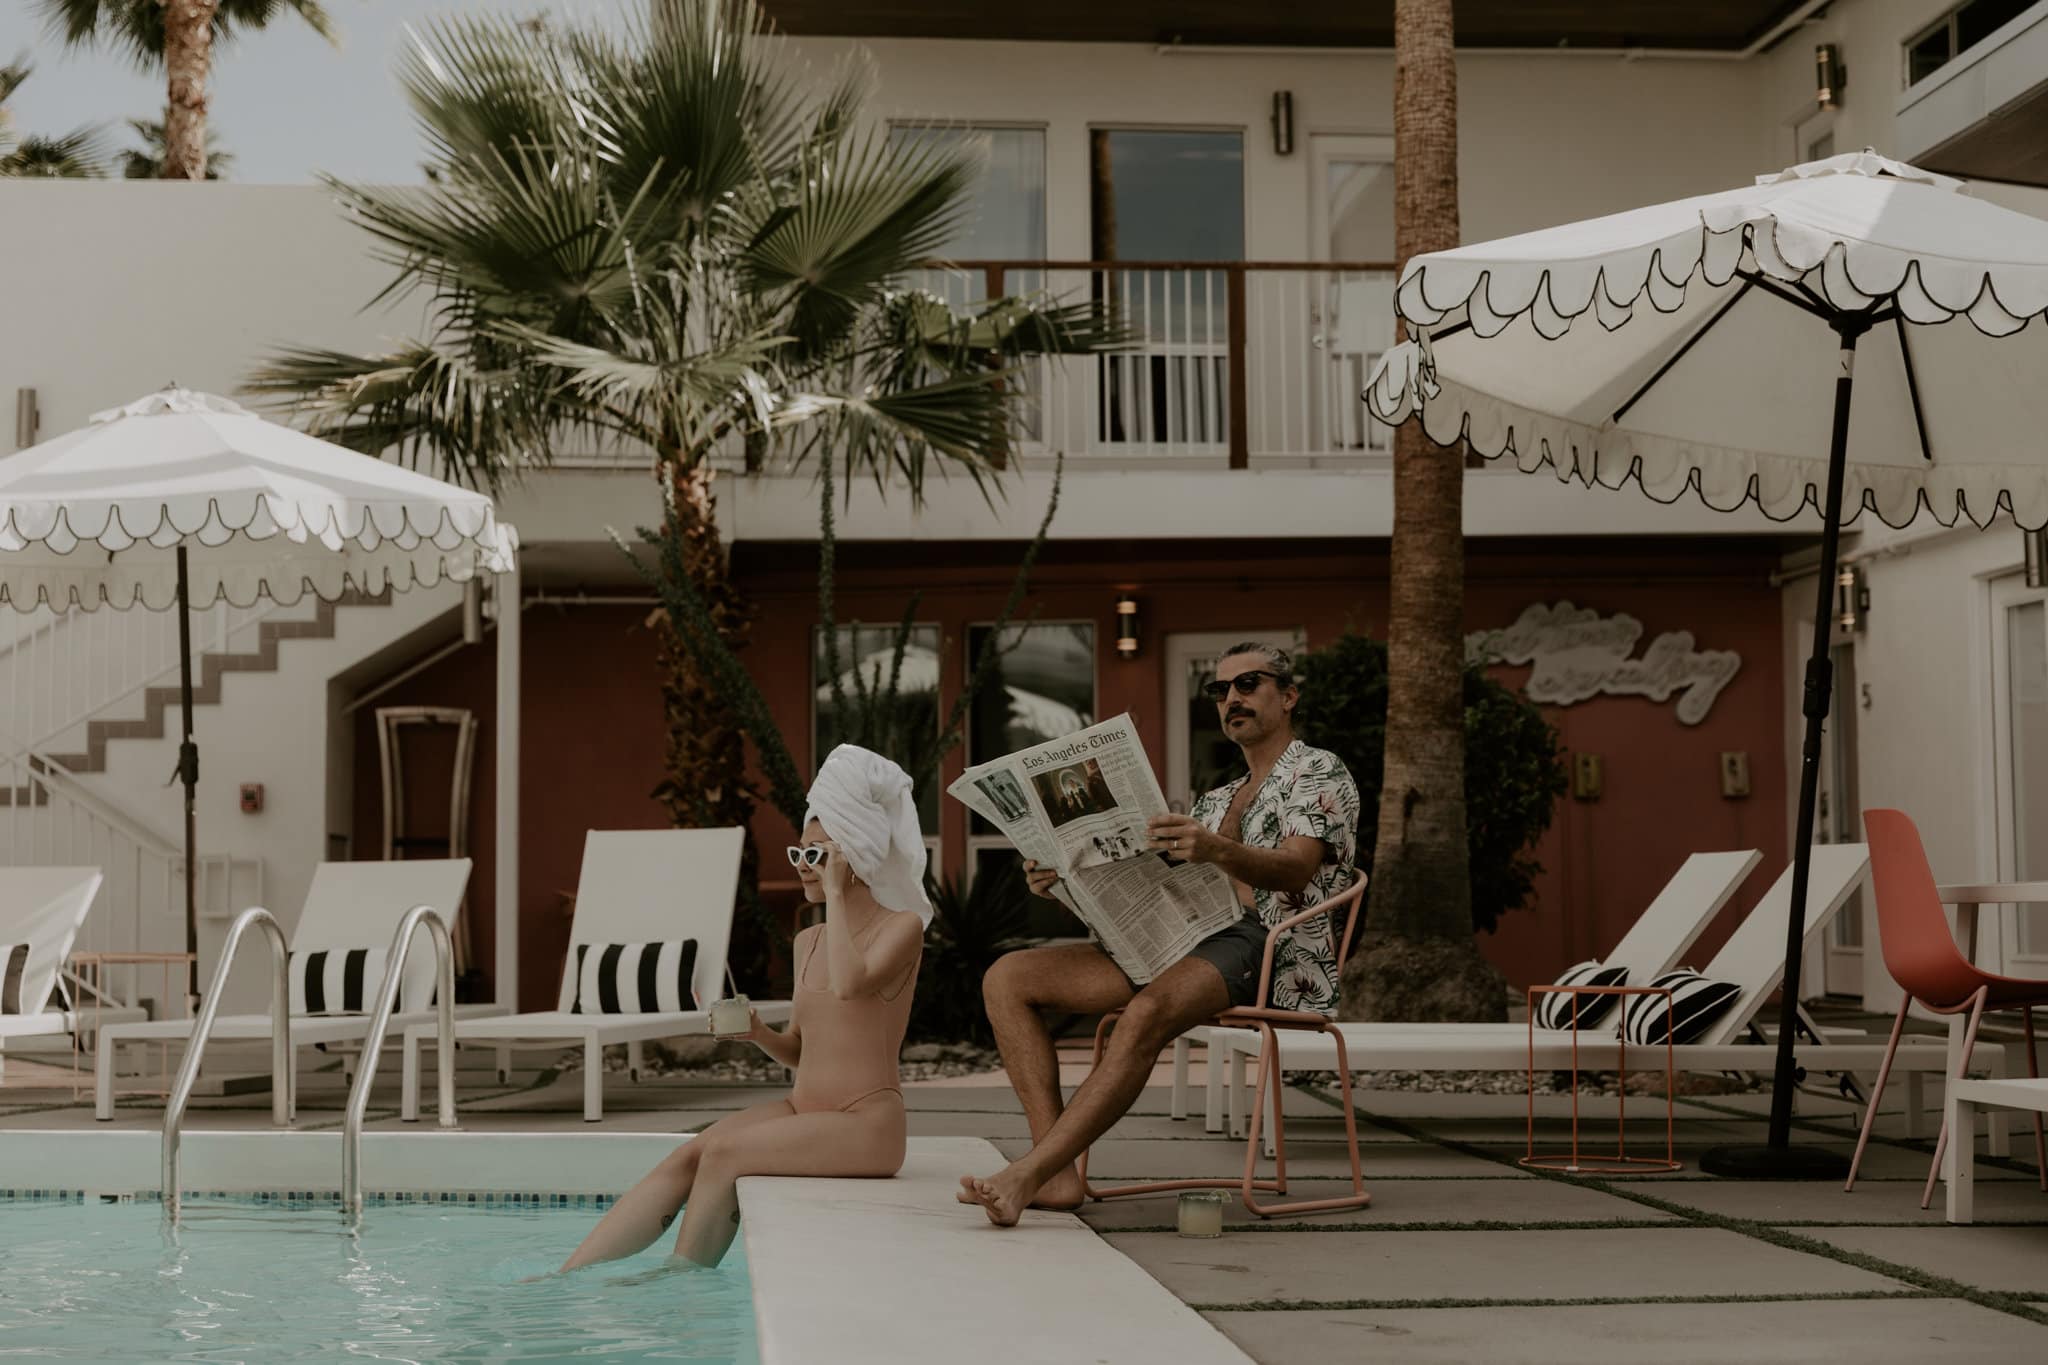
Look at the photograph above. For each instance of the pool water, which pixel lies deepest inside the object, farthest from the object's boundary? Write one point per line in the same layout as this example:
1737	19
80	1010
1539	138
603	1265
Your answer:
254	1282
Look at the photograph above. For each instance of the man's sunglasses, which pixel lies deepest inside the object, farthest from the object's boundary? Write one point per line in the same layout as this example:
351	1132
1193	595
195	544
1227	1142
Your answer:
1216	689
807	855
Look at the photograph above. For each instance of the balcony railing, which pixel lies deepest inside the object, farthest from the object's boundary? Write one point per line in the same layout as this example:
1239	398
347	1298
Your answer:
1230	363
1233	363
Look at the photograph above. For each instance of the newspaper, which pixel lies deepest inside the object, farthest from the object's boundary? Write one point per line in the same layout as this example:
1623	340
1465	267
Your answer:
1079	804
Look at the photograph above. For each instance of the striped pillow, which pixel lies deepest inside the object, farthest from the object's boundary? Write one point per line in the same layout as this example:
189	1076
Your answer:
335	981
635	978
1555	1011
13	966
1696	1003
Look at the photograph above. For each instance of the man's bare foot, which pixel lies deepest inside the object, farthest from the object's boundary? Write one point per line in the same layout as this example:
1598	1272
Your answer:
1005	1195
1063	1193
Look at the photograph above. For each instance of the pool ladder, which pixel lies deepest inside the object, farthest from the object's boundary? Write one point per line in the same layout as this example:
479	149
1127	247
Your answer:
283	1082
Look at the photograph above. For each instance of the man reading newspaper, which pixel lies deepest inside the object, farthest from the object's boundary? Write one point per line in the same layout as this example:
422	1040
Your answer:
1285	834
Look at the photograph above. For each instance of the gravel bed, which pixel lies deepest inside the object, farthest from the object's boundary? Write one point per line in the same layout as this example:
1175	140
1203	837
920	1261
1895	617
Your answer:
705	1059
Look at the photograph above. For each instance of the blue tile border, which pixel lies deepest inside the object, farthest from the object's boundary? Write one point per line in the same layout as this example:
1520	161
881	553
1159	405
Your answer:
511	1200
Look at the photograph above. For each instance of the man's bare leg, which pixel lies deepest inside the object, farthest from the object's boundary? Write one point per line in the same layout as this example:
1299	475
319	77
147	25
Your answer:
1074	978
1184	995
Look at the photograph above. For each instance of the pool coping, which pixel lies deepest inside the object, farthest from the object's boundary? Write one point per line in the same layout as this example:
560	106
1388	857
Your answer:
850	1271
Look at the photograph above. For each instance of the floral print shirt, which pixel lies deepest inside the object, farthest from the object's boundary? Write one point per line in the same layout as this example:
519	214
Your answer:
1309	792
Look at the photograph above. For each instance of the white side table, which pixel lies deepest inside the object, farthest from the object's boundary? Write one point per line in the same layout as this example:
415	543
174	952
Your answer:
1965	1098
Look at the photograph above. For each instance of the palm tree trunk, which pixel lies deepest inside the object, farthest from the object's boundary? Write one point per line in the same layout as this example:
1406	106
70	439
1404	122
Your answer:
1418	959
188	60
705	783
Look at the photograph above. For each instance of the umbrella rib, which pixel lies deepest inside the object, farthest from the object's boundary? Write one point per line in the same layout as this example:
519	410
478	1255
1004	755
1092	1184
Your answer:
1679	354
1912	387
1776	290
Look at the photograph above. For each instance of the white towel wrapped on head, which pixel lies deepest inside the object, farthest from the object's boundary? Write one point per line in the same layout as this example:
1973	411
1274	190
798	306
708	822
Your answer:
867	807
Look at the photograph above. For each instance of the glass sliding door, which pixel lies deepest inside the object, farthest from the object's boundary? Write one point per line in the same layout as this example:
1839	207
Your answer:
2020	716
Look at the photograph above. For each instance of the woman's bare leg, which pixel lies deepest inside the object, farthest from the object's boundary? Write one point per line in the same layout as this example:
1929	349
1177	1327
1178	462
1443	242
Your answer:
867	1140
644	1212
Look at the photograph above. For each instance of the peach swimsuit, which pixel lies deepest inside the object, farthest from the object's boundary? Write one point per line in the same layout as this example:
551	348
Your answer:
849	1046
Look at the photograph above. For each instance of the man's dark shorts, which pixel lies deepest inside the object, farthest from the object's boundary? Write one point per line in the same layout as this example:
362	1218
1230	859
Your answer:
1237	952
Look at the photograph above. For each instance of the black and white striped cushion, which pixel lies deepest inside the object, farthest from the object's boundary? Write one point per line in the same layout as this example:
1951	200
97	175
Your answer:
635	978
1695	1004
13	966
336	980
1555	1011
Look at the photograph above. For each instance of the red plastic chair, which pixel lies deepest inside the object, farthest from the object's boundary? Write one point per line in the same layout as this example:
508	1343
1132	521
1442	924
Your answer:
1921	954
1269	1022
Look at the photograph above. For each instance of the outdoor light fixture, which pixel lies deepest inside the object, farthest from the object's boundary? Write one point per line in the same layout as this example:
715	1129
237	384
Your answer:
26	418
1127	627
2037	558
1283	122
1830	77
1852	598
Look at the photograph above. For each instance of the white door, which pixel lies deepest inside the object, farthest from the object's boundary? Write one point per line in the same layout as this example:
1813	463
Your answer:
1351	314
2014	939
1198	754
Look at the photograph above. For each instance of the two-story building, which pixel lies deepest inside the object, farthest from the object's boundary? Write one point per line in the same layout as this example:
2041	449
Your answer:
1224	172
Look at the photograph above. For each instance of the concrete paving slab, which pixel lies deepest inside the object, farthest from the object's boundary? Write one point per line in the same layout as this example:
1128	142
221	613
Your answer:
1870	1332
1396	1202
878	1272
2009	1260
1874	1201
1148	1159
1262	1268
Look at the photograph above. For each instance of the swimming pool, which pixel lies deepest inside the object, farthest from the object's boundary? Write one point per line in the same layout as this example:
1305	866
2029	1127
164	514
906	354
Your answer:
272	1281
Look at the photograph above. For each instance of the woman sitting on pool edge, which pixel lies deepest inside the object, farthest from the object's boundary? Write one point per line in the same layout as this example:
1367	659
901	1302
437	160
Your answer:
863	856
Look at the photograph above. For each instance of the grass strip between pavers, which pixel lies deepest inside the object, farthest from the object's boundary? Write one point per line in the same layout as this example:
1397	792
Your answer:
1937	1286
1386	1305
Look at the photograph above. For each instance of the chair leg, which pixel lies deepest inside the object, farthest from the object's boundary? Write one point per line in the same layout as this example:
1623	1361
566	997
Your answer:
1962	1069
1095	1060
593	1081
1183	1056
1276	1144
2034	1069
1270	1072
634	1061
1212	1120
1884	1072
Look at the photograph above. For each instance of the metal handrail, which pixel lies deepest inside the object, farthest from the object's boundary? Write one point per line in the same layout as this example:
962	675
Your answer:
373	1045
281	1079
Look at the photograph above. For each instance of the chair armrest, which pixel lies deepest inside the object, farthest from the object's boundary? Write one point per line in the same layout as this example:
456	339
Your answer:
1994	893
1349	896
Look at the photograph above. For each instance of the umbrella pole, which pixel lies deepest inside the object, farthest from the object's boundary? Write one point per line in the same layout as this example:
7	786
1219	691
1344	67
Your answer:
188	774
1778	1159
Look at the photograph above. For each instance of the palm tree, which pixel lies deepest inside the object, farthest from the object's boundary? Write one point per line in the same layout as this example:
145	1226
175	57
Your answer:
177	37
666	238
1418	959
147	161
77	155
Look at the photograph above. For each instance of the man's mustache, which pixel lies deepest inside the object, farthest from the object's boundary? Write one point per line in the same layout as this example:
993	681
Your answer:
1234	712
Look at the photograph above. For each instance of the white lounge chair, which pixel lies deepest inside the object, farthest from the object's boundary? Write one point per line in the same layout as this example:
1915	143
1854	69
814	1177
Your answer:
1653	945
42	909
636	886
1753	959
348	906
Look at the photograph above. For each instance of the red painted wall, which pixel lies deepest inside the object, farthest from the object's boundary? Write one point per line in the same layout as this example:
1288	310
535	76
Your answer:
592	715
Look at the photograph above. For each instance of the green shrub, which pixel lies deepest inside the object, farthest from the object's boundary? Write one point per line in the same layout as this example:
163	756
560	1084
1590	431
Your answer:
1514	772
969	930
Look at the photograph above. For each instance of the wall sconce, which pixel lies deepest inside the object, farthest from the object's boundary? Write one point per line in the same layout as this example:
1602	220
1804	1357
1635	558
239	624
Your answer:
1127	627
1830	76
2037	557
1283	122
1852	598
27	419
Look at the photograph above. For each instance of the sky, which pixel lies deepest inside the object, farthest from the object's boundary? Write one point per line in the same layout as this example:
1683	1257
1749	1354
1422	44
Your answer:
286	105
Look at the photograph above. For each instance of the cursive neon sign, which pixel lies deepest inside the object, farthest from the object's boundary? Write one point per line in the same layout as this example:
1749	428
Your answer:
1577	654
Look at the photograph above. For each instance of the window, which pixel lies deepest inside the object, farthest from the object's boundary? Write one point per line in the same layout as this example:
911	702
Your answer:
1007	222
902	728
1043	687
1955	33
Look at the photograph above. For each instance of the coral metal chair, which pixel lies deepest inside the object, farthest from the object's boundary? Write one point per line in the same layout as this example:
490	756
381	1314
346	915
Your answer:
1269	1022
1921	954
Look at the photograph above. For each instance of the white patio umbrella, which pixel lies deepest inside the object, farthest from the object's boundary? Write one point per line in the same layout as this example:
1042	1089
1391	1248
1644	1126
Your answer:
1712	346
181	498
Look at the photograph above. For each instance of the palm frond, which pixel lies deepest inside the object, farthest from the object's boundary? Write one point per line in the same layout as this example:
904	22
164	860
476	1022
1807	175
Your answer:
135	28
415	401
79	155
147	161
867	213
661	393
